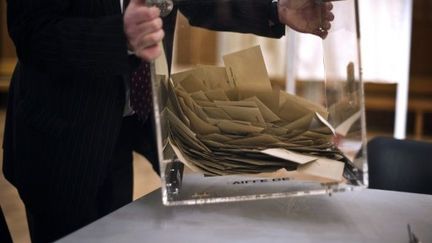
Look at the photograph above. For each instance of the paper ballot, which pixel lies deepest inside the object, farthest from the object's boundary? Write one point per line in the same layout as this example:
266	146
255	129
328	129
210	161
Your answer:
228	120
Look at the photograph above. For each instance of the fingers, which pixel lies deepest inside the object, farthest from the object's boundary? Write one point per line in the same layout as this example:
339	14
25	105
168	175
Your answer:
146	45
307	16
320	32
148	40
326	17
329	16
143	30
326	13
326	25
150	53
140	14
328	6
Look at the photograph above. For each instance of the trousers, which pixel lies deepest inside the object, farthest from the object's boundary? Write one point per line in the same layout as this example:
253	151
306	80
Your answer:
115	191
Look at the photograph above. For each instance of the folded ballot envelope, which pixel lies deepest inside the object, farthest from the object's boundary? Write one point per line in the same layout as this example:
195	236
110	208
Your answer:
230	121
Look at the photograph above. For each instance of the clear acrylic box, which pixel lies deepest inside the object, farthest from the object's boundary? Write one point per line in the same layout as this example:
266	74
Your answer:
242	117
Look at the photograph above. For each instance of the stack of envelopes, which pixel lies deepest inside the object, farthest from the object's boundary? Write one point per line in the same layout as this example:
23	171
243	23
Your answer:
229	120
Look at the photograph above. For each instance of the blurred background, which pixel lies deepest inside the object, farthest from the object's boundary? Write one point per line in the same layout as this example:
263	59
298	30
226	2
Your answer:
396	60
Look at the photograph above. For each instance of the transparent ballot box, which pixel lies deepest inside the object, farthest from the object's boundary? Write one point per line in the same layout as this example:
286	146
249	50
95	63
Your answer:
248	108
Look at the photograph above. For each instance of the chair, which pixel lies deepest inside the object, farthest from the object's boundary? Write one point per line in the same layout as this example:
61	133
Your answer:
4	231
400	165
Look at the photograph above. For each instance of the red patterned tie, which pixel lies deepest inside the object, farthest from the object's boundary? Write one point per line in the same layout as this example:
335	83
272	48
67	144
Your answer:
141	95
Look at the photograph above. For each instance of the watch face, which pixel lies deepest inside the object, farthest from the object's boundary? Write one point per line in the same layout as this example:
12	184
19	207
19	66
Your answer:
165	6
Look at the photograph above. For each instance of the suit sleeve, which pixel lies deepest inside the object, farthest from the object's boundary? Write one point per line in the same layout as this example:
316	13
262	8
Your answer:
45	34
244	16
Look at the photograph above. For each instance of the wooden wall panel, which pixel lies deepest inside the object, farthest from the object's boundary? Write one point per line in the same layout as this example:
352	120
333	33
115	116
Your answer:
7	49
421	46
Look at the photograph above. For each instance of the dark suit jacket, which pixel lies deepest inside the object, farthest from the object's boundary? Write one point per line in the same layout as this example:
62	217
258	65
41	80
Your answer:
67	93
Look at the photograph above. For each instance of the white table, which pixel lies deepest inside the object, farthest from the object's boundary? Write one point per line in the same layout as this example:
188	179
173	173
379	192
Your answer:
365	216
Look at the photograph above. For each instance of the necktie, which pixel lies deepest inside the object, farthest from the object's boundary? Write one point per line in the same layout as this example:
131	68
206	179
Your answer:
140	87
141	95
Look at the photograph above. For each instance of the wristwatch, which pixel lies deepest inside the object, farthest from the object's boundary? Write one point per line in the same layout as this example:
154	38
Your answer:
165	6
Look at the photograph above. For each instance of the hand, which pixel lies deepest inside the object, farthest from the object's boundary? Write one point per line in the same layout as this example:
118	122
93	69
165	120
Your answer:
143	29
306	16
